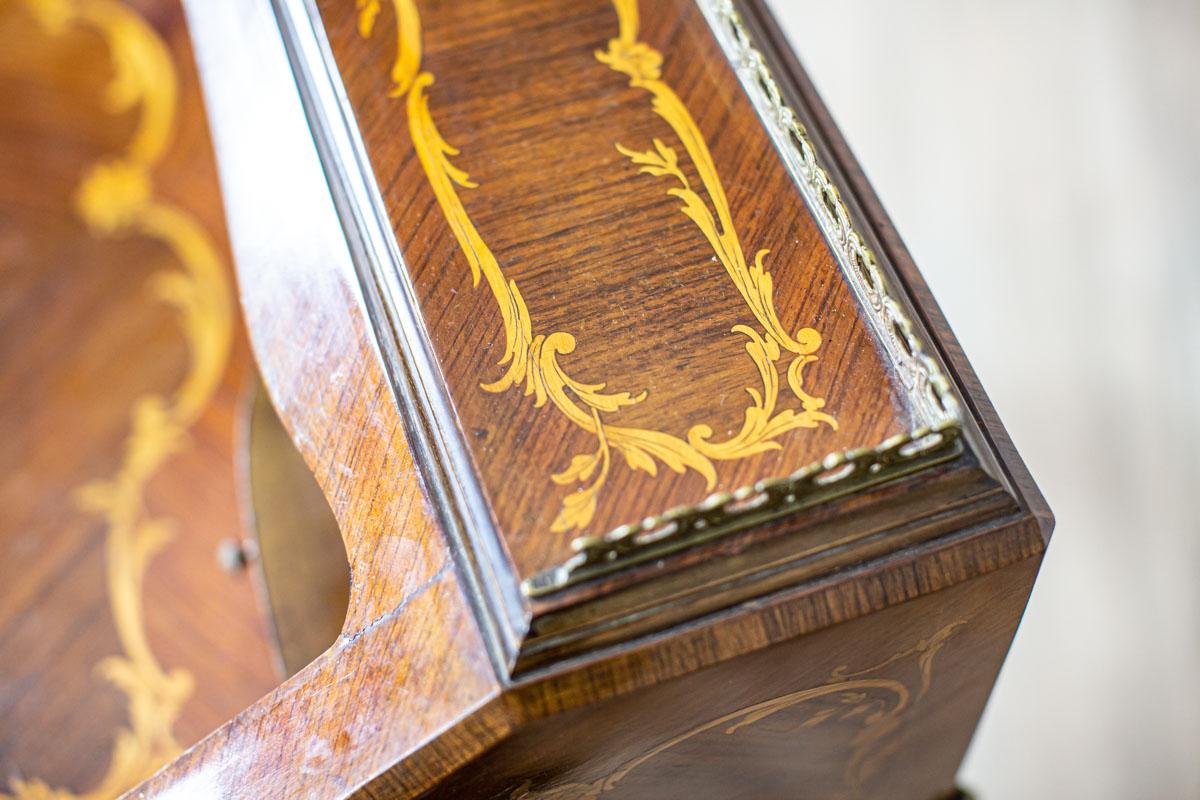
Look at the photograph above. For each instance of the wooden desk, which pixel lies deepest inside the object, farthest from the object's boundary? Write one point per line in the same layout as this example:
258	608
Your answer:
658	470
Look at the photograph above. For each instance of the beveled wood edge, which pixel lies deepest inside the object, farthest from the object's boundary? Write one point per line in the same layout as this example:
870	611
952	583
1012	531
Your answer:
399	330
504	614
815	605
844	533
801	609
318	359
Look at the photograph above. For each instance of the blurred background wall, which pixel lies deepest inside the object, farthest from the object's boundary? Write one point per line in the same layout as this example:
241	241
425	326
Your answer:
1042	160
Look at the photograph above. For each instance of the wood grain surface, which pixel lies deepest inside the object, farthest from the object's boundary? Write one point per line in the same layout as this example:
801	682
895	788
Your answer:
409	696
603	253
86	336
849	712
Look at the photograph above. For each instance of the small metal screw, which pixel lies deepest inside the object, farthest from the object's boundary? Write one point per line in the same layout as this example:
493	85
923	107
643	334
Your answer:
233	555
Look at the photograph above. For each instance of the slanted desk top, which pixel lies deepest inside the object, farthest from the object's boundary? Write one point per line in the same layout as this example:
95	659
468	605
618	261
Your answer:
642	315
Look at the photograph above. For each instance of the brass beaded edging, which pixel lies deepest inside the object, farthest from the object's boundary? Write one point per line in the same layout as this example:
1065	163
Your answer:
725	512
934	440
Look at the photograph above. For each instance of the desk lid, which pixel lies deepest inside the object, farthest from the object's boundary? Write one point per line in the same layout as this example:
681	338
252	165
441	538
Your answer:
645	345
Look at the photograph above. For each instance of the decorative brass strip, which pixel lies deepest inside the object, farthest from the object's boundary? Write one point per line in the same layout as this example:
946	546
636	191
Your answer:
532	359
878	702
115	199
722	513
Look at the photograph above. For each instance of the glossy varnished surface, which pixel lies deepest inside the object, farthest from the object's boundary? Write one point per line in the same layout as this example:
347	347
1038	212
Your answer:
603	253
408	697
410	658
121	638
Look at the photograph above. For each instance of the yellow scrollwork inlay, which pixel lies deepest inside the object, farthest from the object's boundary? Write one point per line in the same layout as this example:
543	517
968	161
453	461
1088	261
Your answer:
643	65
531	360
116	199
879	701
408	44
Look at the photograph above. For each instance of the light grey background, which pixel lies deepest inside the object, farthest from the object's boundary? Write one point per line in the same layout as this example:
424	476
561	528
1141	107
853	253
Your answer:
1042	160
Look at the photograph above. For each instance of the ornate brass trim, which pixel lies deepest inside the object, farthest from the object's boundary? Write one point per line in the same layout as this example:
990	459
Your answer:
881	719
532	359
116	198
836	475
